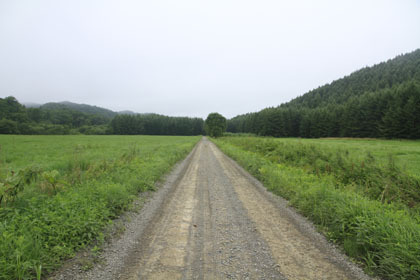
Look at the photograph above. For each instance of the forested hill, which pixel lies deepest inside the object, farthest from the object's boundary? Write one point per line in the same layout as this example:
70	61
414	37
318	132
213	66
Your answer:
72	118
84	108
395	71
378	101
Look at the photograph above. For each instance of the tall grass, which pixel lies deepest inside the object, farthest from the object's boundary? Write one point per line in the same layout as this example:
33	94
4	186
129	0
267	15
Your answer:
75	196
374	177
384	236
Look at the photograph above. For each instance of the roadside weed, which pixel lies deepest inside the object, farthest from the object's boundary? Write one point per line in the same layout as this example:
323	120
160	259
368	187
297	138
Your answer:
59	192
378	227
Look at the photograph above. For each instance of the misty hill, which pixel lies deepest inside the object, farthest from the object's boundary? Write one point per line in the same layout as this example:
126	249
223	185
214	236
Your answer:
378	101
31	104
84	108
126	112
72	118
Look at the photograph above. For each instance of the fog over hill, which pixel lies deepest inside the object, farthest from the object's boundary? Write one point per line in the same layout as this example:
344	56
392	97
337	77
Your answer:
84	108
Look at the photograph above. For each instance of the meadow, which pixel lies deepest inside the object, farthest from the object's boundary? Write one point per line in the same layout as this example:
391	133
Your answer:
363	194
58	193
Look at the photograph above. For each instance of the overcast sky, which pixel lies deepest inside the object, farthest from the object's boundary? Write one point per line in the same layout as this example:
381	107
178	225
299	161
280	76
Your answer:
190	58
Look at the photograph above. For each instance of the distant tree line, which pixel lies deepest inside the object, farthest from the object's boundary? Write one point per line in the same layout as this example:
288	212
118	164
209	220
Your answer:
380	101
56	119
17	119
153	124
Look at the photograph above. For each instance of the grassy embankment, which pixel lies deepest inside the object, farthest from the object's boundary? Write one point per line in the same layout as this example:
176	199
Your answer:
59	192
363	194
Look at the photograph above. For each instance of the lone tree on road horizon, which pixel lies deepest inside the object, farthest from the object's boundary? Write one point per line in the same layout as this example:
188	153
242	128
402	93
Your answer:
215	125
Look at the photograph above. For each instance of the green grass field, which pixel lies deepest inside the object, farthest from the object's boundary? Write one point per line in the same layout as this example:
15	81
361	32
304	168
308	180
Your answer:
406	153
59	192
363	194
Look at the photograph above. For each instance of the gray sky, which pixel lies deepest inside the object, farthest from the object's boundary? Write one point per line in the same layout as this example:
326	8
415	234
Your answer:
190	58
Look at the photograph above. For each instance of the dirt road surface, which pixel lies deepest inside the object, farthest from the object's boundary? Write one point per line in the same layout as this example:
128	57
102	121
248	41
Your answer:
212	220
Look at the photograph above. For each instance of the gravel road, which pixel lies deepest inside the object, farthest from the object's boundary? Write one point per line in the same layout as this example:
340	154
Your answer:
212	220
